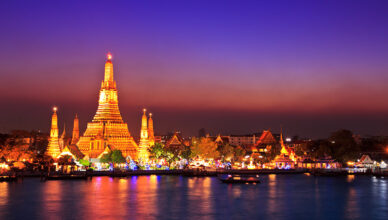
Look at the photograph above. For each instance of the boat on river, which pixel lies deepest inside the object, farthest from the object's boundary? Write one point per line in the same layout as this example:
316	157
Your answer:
239	178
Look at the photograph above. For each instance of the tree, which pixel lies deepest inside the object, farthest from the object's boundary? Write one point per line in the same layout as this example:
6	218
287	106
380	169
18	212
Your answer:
344	146
170	157
106	158
114	157
323	149
239	153
117	156
156	151
170	154
84	163
185	153
65	160
226	151
204	148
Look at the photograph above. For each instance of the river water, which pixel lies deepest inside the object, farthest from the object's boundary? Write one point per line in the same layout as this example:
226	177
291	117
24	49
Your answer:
175	197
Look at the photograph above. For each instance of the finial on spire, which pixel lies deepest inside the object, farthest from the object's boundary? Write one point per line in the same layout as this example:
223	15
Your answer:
55	109
109	56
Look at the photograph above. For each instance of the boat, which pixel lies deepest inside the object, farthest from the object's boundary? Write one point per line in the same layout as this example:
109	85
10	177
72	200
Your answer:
239	178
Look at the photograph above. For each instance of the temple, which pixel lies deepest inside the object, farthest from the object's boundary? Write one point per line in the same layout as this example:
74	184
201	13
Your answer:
286	159
53	149
75	137
62	139
151	135
107	129
144	141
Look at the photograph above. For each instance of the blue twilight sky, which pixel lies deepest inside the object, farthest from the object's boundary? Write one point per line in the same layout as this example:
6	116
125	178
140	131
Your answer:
228	66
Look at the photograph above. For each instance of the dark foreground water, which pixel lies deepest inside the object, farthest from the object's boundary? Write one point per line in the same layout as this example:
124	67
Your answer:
173	197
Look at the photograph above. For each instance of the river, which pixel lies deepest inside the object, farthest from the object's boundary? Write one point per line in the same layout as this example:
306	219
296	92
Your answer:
175	197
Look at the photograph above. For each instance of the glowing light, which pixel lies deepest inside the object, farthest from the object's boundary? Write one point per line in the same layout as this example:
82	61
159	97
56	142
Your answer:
55	109
109	56
284	151
92	143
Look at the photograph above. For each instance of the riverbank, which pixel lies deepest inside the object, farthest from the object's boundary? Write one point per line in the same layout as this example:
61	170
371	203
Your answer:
199	173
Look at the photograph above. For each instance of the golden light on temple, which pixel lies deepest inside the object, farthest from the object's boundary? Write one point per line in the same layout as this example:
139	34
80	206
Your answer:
107	131
151	137
144	141
53	149
284	151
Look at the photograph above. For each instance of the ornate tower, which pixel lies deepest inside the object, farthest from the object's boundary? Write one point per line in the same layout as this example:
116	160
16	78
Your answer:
53	146
283	150
62	138
151	136
107	127
144	144
75	137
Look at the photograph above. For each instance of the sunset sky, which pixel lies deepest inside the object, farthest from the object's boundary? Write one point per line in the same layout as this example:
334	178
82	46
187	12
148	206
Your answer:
228	66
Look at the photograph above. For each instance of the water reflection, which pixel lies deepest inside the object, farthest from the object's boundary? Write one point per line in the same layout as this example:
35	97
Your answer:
350	178
52	198
200	196
170	197
272	206
101	197
3	194
146	197
352	209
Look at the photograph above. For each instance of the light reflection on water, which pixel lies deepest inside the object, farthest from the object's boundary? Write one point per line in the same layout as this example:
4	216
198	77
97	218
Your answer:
52	199
3	194
174	197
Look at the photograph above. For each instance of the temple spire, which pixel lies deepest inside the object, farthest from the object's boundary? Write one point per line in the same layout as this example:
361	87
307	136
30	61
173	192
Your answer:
144	143
144	128
75	136
283	150
63	135
107	123
108	76
53	149
151	136
144	121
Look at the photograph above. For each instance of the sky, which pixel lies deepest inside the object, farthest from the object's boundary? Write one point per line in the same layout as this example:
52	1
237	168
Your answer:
231	67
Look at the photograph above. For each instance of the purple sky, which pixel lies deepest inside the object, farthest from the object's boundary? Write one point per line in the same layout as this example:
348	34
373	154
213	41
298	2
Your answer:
229	66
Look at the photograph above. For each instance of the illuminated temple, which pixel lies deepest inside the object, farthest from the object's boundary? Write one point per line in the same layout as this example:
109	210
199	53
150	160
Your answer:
107	129
53	149
147	137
